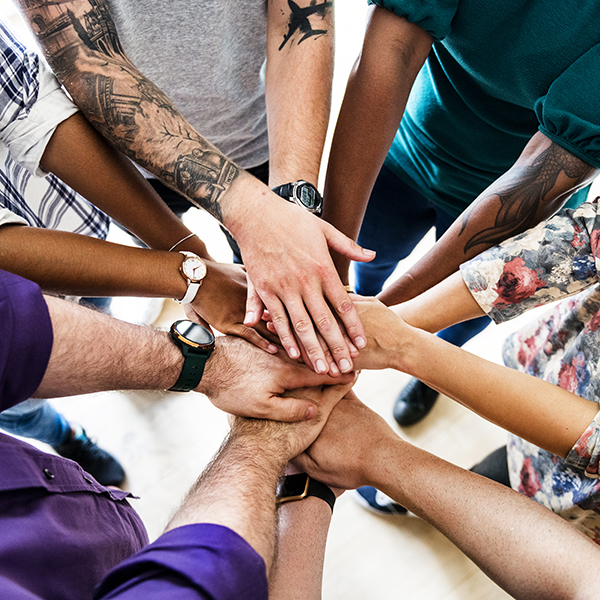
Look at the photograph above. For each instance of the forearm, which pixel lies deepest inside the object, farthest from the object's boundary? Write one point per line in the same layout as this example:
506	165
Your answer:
67	263
536	187
297	572
84	160
298	91
378	88
127	108
542	413
93	352
238	491
522	546
445	304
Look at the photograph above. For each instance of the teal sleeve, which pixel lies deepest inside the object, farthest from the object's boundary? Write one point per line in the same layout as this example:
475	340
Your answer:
569	114
434	16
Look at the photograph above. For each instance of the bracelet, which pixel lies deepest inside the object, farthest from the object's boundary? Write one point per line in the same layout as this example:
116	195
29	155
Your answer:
187	237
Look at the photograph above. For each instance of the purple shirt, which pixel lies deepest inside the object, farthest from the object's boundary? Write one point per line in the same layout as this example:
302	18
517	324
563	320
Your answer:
61	532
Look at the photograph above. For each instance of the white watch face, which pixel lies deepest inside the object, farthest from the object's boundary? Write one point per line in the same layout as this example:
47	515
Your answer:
194	268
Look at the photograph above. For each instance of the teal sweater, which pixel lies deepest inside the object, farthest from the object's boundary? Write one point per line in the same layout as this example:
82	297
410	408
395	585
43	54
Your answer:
499	70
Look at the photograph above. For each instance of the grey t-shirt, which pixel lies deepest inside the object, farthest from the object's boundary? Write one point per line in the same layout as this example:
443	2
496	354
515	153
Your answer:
208	57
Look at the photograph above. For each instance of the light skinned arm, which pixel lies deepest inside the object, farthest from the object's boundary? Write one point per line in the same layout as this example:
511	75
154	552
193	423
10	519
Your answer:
533	189
298	84
93	352
285	249
542	413
525	548
393	52
238	490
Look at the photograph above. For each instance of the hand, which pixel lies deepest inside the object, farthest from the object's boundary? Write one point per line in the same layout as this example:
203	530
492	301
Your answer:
243	380
288	440
288	260
221	301
387	334
350	447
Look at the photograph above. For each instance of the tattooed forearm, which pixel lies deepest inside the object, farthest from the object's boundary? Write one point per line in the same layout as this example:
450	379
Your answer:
526	191
81	44
300	20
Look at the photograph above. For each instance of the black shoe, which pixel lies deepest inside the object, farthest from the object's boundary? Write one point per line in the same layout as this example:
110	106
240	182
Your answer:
414	402
104	467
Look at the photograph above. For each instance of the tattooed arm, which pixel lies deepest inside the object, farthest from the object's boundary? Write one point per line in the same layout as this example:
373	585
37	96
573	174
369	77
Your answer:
536	186
298	87
393	52
285	249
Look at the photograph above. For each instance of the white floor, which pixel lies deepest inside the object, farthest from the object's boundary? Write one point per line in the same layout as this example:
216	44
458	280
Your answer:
164	440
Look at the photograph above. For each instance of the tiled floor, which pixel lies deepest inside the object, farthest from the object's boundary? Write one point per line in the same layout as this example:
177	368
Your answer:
164	440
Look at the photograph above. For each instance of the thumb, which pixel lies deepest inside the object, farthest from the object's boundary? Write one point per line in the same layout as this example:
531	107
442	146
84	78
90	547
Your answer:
254	306
342	244
290	410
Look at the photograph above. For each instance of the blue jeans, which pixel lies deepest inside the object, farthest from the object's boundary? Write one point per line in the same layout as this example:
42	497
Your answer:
36	419
396	220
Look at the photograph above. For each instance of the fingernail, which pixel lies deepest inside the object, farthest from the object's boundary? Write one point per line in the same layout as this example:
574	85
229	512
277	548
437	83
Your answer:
360	342
293	352
311	412
369	252
333	369
249	318
321	366
272	348
345	365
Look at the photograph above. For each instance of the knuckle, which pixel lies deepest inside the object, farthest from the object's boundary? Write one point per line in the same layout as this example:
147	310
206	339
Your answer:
325	323
345	306
302	326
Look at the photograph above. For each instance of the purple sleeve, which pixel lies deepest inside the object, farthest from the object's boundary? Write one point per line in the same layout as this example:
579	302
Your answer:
200	561
26	338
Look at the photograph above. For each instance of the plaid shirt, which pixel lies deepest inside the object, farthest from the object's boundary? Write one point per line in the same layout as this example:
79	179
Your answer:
32	104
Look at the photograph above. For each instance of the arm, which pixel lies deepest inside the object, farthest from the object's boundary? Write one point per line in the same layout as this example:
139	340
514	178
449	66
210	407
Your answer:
542	413
286	253
393	52
237	492
298	87
533	189
93	352
525	548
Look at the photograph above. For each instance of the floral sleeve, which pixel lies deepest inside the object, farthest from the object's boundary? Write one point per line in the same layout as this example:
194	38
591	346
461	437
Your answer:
585	454
558	258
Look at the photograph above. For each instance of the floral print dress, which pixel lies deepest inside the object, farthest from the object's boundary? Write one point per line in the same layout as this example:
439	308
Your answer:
557	260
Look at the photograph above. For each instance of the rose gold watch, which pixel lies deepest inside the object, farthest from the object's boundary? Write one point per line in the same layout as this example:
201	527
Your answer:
193	270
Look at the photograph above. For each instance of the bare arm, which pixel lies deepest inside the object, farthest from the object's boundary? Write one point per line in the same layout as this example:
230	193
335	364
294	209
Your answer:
525	548
93	352
542	413
298	87
393	52
285	251
538	184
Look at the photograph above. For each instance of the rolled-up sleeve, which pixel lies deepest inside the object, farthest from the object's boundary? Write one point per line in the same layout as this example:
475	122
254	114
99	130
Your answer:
199	561
32	103
569	113
434	16
557	258
585	454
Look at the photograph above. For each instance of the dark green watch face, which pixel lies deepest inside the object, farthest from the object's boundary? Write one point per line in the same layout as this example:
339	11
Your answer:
194	332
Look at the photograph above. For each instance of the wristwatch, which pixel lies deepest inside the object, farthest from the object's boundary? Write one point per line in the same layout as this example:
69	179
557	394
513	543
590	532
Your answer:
196	344
303	194
193	270
297	487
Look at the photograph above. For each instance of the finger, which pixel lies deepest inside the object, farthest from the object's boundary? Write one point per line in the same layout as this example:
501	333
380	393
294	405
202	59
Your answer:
305	333
346	311
254	306
302	377
252	336
337	241
281	326
288	410
332	394
329	328
333	368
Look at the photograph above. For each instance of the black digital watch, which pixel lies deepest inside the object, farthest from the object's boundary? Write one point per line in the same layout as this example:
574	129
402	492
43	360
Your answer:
303	194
